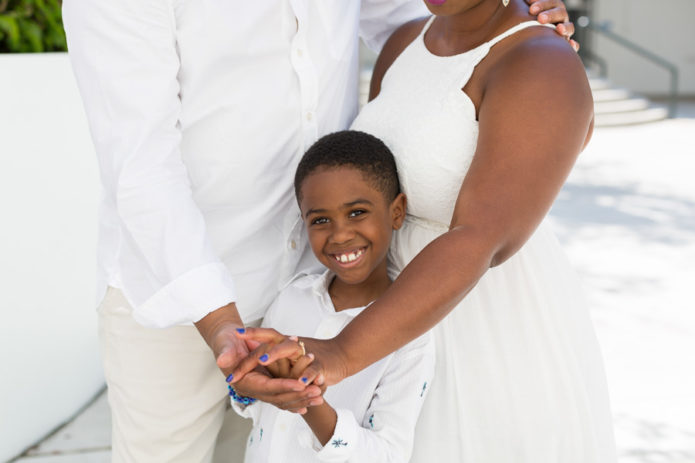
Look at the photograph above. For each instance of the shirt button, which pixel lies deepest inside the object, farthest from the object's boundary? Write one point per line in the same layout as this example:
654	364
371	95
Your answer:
309	116
299	52
293	244
283	427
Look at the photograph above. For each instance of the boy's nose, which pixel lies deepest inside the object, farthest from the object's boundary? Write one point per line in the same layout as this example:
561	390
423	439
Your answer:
342	233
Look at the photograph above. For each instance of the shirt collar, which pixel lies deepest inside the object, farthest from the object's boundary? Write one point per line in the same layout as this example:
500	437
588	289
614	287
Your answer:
320	288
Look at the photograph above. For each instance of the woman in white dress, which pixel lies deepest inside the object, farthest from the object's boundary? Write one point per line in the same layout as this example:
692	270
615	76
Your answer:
485	112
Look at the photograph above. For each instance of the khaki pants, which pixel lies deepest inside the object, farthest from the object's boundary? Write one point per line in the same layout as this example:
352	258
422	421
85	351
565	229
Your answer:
168	399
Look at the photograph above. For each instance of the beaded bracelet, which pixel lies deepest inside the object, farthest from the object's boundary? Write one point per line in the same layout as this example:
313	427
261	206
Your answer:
240	398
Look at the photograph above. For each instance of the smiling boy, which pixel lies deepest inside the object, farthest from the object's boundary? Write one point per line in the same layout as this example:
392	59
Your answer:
349	196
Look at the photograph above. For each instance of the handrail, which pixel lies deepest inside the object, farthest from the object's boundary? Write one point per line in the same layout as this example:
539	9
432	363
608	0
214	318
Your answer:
605	29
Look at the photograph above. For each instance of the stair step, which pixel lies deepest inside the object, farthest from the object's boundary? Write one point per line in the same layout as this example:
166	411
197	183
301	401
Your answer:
632	117
620	106
610	94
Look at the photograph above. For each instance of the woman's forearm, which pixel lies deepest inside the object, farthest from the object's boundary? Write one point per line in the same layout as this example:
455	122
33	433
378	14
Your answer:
424	293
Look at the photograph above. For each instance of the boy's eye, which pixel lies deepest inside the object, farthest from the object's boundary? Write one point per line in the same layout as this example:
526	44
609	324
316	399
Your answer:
319	221
357	212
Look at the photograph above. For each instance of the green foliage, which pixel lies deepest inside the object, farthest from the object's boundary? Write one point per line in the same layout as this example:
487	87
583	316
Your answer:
31	26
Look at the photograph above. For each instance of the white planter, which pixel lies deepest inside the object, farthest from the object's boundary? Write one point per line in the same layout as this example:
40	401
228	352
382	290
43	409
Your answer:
49	360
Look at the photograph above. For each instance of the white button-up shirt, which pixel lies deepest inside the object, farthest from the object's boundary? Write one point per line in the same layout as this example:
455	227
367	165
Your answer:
199	111
377	408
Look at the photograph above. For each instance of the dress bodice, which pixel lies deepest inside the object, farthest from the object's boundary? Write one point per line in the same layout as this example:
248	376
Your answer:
429	123
519	375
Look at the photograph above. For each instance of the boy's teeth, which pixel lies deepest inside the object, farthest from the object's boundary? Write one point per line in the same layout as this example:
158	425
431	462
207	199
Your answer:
350	257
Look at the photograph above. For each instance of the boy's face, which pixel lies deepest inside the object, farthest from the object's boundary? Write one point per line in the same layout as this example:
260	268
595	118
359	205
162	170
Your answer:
349	222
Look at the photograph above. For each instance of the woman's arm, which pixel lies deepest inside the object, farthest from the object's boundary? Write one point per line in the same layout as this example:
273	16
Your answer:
517	171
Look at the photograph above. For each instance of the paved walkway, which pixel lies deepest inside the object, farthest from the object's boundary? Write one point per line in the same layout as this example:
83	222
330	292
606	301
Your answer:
627	219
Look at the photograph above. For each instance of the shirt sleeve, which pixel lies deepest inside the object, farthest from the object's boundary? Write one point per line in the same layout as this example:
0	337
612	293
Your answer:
387	431
247	411
126	63
379	18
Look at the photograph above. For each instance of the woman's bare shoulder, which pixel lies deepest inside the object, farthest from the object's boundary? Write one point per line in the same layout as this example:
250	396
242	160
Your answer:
539	62
394	46
542	53
537	80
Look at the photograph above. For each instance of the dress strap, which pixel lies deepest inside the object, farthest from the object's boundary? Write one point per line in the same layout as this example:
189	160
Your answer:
515	29
482	51
427	26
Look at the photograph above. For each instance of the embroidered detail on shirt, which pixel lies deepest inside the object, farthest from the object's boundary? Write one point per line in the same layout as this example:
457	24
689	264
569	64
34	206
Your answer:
250	440
260	435
337	443
371	421
424	386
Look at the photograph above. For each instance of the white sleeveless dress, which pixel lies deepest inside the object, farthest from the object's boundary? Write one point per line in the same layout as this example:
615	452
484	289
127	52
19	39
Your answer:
519	376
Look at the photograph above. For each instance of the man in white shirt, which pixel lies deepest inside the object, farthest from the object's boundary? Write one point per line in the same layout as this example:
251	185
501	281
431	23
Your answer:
199	112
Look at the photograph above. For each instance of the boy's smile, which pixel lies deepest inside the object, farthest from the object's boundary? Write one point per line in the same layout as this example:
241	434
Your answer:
349	223
348	258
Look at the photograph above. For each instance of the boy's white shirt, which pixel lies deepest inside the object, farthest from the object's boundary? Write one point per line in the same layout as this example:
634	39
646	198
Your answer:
377	408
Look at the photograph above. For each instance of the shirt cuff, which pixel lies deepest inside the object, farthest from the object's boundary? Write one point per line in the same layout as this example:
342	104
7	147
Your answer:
344	440
242	410
189	298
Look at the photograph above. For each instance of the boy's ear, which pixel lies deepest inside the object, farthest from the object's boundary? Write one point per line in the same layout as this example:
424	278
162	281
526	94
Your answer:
397	208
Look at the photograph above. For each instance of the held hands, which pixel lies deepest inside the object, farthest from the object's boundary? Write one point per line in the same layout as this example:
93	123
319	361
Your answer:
219	329
554	12
283	357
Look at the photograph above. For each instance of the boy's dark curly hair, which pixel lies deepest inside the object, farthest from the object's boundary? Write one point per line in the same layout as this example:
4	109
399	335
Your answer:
355	149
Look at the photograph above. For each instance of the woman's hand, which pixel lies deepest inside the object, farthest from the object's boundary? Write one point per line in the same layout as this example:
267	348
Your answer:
554	12
329	364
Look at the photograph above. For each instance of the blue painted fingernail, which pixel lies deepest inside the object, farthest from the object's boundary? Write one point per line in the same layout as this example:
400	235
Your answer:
241	330
305	379
263	358
230	377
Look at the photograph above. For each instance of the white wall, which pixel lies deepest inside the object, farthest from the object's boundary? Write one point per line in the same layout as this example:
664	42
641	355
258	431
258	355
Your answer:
666	27
49	362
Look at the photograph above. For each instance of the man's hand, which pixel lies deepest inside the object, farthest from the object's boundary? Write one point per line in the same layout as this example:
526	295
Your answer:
554	12
218	328
286	394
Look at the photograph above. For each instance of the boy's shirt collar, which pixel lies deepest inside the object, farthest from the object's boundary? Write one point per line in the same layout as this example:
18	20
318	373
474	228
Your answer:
320	288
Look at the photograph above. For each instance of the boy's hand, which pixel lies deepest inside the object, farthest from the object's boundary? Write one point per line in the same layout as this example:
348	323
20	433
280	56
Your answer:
291	369
269	340
286	394
294	370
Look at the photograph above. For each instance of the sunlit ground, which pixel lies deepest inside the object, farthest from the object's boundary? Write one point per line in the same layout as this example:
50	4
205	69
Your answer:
627	220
